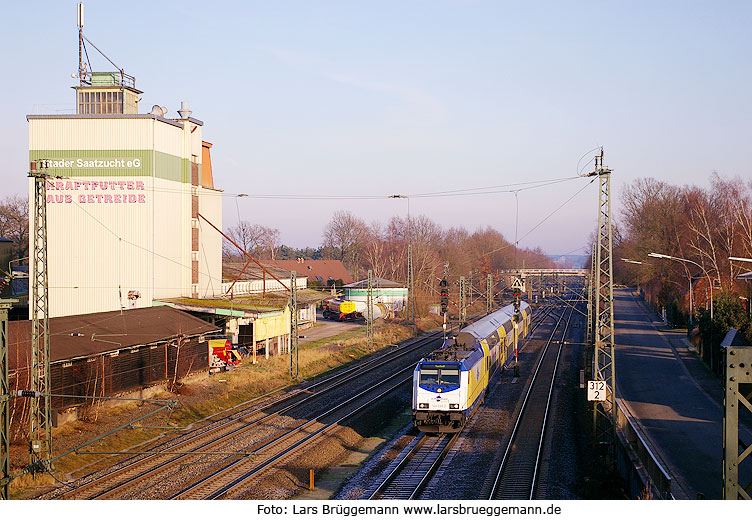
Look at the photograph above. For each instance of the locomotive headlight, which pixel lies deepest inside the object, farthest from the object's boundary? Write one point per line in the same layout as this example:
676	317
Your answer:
454	406
423	405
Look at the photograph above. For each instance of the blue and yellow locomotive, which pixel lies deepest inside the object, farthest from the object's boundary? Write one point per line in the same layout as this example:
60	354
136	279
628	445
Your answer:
451	382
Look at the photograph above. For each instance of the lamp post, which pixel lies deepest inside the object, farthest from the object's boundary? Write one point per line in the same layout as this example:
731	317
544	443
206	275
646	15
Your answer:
710	283
747	277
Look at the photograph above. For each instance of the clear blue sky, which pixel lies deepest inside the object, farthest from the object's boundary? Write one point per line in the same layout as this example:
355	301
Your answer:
378	98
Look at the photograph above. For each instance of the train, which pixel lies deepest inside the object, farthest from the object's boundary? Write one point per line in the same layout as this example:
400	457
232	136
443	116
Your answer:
451	382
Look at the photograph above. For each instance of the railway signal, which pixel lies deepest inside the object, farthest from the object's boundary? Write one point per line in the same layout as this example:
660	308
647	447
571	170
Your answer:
517	288
444	289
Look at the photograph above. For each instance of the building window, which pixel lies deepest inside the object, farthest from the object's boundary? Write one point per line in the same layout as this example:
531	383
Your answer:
194	256
194	289
101	102
194	223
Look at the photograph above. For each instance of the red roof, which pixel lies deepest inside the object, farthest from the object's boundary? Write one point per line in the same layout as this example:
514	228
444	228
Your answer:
316	270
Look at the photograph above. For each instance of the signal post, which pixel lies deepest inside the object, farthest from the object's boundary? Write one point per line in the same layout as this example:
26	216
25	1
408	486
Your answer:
444	289
518	287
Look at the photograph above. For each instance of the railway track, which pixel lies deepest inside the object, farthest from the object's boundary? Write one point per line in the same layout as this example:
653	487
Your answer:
413	471
229	480
517	475
160	460
423	457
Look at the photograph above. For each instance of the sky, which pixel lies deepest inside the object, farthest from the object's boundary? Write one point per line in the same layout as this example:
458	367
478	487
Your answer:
351	102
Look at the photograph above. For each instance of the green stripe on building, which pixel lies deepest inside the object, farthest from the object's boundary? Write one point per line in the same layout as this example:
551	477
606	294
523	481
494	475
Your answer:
97	163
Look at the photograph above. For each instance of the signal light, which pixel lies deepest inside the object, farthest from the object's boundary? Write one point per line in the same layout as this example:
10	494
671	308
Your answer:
444	296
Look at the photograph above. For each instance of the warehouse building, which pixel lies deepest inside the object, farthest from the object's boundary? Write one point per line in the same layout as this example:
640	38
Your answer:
126	201
112	353
385	292
254	307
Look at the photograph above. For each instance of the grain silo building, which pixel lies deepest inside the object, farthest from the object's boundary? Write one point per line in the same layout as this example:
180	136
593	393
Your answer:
124	200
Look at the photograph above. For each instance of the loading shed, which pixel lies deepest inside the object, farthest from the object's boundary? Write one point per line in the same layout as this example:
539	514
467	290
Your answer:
109	354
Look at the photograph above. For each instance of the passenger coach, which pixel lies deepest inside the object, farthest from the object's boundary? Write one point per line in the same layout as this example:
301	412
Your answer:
451	382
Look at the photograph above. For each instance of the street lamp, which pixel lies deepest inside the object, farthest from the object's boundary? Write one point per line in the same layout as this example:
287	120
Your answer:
747	276
710	284
632	261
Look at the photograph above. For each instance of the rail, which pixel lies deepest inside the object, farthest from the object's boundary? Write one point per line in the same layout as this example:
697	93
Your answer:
128	474
108	79
517	474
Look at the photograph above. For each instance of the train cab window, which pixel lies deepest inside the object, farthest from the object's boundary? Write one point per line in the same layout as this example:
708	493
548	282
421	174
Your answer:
450	376
429	376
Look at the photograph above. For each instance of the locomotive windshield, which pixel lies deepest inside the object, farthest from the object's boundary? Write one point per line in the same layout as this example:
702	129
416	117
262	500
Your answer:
439	374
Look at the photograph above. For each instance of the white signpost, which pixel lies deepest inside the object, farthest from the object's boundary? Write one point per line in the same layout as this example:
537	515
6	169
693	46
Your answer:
596	390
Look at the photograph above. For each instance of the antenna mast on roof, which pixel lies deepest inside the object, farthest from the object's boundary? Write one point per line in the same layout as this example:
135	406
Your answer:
80	23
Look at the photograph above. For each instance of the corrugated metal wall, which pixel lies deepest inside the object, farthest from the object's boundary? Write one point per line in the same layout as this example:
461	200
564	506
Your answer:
110	375
172	267
126	239
272	325
210	243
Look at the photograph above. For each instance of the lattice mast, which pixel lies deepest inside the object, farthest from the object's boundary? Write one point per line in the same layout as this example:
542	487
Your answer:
294	370
591	297
463	302
40	428
410	286
4	404
489	293
369	311
603	286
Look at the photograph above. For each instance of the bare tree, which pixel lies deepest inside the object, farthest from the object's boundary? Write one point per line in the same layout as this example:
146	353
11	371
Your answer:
14	223
257	240
343	236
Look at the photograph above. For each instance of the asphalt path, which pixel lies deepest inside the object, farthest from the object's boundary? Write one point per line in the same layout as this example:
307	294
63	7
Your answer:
684	424
327	328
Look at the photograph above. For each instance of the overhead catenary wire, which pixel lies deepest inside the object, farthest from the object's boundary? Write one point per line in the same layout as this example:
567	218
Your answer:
515	191
536	226
476	191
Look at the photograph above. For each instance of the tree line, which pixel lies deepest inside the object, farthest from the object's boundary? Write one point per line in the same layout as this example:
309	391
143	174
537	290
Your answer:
383	248
14	224
704	226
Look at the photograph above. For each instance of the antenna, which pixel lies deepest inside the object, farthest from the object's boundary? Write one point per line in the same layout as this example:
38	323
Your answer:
80	24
